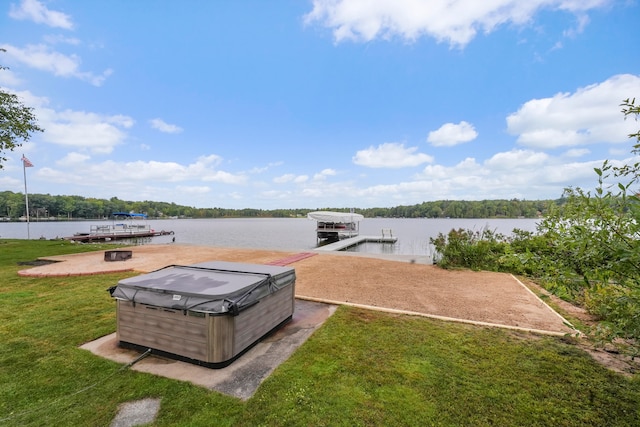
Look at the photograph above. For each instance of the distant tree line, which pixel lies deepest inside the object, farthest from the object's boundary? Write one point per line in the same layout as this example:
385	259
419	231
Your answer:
47	207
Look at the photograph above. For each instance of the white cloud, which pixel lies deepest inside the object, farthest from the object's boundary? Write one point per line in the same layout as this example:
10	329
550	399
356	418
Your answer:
193	189
577	152
225	177
582	21
94	132
165	127
263	169
557	46
73	159
322	175
590	115
514	174
390	155
496	178
205	169
274	195
59	38
451	21
451	134
33	10
136	173
618	151
41	57
290	177
517	158
322	190
9	182
283	179
8	78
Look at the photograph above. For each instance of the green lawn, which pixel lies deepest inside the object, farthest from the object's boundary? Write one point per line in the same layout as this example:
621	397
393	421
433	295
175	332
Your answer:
359	368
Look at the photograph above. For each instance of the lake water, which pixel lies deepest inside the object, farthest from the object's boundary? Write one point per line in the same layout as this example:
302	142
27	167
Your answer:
291	234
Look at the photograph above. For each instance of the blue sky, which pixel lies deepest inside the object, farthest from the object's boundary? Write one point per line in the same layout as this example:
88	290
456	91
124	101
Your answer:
316	104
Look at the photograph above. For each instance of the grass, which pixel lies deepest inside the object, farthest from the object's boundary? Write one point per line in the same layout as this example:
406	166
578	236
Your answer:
361	368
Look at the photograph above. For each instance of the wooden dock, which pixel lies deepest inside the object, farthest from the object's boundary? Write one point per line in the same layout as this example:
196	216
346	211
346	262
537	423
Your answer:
105	237
352	241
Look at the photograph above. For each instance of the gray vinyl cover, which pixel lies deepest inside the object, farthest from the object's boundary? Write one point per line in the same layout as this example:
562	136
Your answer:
216	287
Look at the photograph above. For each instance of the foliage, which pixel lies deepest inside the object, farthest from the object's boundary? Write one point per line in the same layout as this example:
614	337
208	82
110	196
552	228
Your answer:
61	207
360	368
468	249
499	208
586	249
17	122
600	237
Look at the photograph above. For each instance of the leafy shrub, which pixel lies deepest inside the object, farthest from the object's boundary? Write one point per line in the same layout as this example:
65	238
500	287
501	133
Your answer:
586	249
476	250
617	306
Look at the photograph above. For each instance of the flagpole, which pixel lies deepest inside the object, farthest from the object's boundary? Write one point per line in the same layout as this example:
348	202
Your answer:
26	195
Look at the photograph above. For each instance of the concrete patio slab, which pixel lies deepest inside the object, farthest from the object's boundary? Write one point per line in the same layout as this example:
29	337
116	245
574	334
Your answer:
242	377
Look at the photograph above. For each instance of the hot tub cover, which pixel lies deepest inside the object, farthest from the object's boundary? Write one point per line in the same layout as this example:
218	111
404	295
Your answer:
217	287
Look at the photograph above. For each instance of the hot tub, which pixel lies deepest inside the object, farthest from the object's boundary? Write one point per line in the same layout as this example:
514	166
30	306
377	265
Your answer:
207	313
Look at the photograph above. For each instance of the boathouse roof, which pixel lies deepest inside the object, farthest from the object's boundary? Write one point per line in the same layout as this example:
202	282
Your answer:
336	217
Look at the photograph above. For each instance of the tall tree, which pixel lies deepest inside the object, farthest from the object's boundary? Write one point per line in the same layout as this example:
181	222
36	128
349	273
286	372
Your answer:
17	122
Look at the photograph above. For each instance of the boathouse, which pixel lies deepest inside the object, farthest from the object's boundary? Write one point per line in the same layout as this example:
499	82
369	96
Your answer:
336	225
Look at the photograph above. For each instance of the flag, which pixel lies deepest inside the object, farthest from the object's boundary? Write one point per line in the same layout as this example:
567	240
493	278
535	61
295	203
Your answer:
27	162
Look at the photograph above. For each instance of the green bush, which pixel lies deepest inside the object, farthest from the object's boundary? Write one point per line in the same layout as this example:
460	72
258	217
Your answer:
476	250
617	306
586	249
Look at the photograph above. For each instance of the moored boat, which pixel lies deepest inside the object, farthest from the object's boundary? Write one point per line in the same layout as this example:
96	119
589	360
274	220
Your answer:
125	226
336	225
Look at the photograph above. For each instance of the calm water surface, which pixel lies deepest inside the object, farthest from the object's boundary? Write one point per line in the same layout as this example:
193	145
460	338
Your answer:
281	233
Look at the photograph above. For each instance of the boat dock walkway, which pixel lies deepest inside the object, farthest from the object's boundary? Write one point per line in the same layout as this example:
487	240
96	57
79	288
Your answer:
352	241
105	237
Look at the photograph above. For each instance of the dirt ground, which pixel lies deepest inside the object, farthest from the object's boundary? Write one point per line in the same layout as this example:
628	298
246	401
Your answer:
493	298
380	282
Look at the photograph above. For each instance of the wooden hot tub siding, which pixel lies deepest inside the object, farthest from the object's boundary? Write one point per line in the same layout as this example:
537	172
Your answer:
215	339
